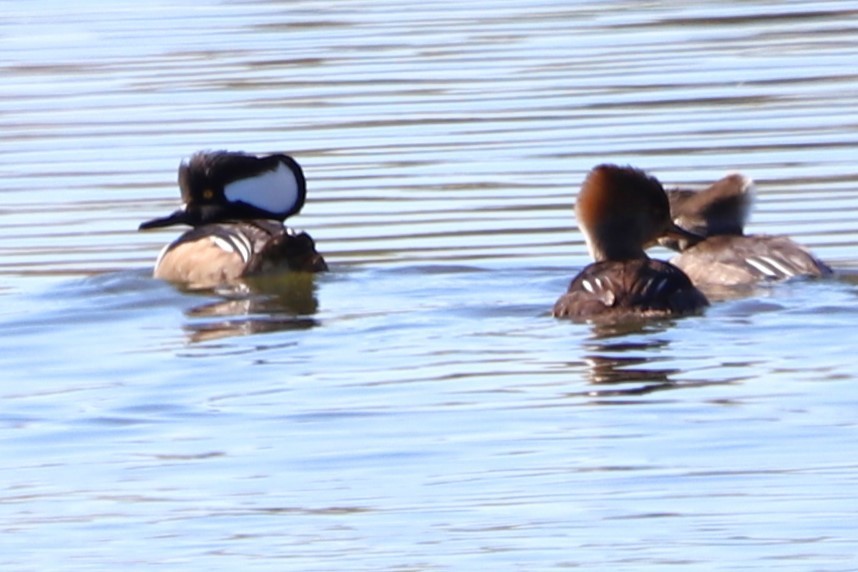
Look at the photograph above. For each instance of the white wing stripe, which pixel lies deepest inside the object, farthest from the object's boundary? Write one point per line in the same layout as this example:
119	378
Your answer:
786	270
759	265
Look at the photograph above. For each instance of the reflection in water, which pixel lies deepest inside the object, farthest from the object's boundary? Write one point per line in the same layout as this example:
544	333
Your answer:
625	328
610	370
263	304
624	354
612	358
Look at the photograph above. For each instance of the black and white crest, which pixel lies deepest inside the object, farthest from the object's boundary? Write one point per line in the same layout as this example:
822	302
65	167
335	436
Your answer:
272	184
221	185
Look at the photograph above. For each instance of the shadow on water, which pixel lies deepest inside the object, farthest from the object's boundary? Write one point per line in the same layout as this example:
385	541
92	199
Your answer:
272	303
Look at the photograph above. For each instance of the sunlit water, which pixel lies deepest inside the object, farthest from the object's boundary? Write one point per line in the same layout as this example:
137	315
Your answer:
417	408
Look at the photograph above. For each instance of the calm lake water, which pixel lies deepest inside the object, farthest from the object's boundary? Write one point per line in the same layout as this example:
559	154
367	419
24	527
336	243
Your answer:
417	408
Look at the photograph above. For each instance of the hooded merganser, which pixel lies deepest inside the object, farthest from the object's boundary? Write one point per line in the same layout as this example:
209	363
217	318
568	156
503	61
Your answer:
728	257
236	204
621	211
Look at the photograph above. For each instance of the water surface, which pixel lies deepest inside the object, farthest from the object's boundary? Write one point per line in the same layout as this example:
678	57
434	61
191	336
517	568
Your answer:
417	408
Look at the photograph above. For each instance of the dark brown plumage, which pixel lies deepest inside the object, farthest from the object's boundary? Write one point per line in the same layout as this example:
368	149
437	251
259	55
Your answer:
621	211
623	289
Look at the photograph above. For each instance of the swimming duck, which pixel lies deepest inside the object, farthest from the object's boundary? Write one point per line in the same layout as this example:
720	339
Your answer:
621	211
728	257
236	204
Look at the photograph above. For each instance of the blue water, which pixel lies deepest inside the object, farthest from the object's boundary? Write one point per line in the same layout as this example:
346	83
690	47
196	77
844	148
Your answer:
417	408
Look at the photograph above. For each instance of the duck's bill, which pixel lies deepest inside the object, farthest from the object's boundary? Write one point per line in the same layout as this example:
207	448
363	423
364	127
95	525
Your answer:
178	217
676	235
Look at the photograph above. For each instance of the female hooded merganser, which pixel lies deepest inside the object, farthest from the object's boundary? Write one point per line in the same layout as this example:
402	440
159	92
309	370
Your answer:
621	211
236	204
728	257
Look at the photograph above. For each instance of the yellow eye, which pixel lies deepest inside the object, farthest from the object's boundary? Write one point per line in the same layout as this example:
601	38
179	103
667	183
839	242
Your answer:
208	194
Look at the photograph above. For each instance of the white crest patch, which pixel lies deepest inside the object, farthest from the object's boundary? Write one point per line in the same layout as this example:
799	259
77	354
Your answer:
275	191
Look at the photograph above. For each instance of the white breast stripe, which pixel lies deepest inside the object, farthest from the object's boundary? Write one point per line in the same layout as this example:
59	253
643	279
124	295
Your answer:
242	244
274	191
224	244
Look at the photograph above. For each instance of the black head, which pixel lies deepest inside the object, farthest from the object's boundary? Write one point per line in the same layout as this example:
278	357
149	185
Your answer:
221	186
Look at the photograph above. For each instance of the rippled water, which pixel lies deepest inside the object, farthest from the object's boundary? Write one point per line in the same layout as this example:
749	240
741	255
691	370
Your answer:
417	408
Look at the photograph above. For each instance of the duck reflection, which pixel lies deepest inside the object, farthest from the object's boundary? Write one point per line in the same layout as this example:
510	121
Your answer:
269	303
623	359
606	370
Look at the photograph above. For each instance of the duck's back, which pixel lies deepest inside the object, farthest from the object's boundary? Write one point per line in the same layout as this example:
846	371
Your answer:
630	288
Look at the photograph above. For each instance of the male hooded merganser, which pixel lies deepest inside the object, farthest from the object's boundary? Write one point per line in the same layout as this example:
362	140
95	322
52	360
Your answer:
728	257
236	204
621	211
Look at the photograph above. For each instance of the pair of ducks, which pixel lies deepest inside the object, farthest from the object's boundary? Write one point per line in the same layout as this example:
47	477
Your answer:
237	203
622	211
